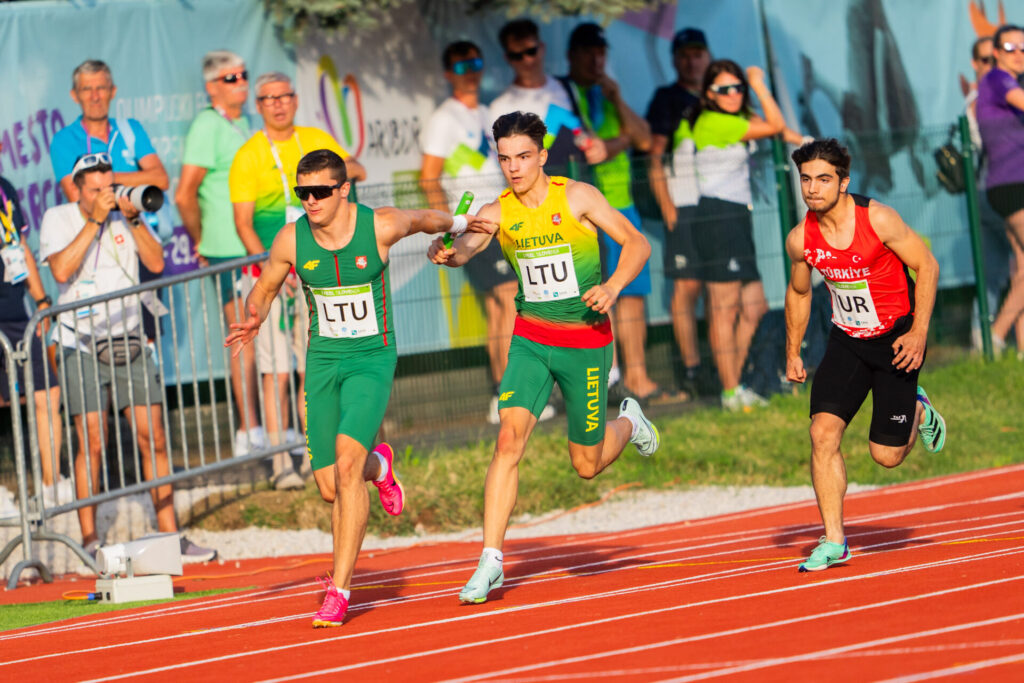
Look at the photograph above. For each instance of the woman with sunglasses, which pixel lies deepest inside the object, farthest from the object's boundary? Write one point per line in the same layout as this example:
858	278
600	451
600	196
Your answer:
721	127
1000	113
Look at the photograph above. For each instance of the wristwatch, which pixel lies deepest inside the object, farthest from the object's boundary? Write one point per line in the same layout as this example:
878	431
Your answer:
45	300
90	219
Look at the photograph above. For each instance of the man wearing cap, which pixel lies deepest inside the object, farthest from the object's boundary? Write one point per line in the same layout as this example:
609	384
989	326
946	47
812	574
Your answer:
93	247
598	102
675	187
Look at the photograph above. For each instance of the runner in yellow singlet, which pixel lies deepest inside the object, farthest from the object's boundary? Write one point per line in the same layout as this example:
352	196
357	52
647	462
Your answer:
549	234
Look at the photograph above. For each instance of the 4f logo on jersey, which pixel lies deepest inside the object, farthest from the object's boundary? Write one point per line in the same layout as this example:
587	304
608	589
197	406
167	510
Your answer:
311	264
360	262
556	219
515	226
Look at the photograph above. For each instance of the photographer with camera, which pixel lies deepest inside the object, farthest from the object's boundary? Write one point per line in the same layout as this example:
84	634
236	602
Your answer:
93	247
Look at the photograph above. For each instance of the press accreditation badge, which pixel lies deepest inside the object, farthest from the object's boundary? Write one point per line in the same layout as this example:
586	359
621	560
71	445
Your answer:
15	267
346	312
852	305
548	273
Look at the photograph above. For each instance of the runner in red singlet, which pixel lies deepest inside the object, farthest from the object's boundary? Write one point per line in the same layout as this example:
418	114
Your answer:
865	252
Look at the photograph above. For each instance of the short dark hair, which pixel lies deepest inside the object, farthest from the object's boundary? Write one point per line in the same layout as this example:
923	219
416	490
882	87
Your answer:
460	48
517	29
323	159
828	150
520	123
997	39
975	54
79	178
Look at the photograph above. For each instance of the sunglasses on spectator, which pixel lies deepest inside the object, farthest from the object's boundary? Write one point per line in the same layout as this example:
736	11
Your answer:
514	56
88	161
234	78
304	192
729	89
467	66
270	100
990	60
1013	47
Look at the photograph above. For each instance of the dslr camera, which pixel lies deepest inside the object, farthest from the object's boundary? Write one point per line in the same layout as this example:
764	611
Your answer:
142	197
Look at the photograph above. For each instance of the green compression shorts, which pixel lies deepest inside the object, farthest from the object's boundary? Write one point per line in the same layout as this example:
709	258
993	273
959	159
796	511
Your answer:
582	375
346	393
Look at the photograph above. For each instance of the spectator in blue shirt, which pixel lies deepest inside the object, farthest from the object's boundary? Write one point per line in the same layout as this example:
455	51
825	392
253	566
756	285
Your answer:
134	160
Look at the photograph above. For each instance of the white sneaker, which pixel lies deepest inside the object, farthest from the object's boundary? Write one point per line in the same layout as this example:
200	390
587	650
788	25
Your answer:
646	438
492	411
751	398
734	403
59	493
241	444
292	435
288	480
548	413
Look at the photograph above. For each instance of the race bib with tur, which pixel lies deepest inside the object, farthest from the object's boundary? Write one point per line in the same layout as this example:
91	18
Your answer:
548	273
346	312
852	305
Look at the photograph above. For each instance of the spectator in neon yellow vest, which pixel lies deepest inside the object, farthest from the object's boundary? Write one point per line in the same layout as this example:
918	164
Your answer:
605	115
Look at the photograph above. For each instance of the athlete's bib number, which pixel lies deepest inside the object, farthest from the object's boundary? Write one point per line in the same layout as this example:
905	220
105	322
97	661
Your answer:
548	273
346	312
852	305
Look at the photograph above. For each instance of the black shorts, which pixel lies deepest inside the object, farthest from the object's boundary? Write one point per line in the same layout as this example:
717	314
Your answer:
681	259
14	331
724	237
1006	199
853	367
489	268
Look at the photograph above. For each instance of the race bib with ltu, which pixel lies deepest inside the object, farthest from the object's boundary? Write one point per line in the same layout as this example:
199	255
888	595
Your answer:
548	273
346	312
852	305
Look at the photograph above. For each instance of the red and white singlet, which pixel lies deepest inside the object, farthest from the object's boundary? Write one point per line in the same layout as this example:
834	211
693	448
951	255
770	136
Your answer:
870	286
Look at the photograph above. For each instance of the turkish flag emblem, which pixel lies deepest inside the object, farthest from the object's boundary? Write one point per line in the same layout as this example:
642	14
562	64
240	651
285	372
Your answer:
556	219
360	262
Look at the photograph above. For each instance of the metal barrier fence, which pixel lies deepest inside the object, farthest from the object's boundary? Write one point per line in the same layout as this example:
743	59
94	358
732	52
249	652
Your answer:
173	427
442	381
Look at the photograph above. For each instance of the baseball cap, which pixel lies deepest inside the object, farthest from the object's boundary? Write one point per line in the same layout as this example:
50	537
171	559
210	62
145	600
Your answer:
587	35
689	37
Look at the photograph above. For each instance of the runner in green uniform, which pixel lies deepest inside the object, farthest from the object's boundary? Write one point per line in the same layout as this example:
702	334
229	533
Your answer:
548	233
340	251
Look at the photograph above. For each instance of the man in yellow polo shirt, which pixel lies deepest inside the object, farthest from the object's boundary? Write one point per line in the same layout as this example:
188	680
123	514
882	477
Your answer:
261	180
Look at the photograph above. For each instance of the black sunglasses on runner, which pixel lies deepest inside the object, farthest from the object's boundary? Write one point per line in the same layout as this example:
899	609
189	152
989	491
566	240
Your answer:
303	192
234	78
514	56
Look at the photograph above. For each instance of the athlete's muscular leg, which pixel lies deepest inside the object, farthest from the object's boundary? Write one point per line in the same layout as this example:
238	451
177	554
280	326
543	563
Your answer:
344	486
589	461
828	472
502	484
891	456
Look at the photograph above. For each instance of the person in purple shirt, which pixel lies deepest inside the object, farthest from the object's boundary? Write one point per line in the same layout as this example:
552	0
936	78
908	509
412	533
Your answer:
1000	113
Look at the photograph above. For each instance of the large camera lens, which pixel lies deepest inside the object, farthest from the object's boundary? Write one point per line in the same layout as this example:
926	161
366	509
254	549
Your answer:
142	197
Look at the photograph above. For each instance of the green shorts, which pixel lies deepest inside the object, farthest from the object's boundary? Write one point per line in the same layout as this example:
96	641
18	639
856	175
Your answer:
582	375
346	393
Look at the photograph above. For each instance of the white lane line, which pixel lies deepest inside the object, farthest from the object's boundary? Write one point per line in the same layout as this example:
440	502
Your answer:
573	572
988	556
961	669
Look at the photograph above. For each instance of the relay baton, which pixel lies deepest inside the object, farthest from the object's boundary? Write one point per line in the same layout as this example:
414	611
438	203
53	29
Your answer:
467	199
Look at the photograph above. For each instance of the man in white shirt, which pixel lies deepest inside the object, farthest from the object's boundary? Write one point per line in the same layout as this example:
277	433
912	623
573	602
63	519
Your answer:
536	92
93	247
458	155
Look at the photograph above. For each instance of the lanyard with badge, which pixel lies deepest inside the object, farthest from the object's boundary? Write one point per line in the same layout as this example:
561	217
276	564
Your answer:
12	252
224	115
291	213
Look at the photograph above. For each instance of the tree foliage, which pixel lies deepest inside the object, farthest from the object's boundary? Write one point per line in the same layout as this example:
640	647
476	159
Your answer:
294	17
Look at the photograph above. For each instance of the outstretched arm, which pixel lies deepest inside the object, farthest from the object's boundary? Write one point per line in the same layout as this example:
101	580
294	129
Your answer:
798	304
468	244
272	276
591	207
912	250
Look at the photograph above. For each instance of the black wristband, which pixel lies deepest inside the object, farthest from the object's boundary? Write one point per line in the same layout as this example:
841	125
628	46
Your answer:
45	300
90	219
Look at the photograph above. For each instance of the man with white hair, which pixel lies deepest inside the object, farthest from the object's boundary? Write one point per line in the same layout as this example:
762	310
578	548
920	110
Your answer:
204	203
260	180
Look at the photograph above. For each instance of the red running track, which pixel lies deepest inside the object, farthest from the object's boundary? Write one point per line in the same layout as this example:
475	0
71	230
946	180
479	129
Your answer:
935	588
